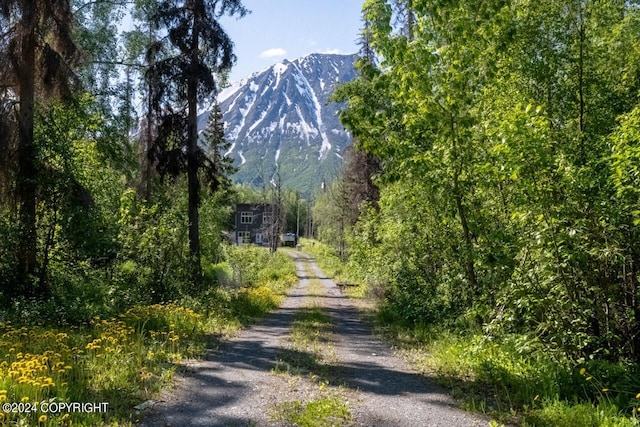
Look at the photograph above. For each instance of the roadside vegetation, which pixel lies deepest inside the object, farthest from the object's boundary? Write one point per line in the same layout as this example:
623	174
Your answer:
114	216
511	377
491	199
126	359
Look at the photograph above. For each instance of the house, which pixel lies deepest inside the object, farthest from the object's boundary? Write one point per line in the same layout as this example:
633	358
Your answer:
253	223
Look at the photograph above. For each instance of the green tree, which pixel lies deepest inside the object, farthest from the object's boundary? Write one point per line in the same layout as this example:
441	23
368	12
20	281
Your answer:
39	53
184	78
499	120
218	167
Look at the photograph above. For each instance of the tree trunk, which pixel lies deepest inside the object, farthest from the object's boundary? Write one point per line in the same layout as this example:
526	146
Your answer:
48	243
147	166
26	183
192	165
468	256
462	213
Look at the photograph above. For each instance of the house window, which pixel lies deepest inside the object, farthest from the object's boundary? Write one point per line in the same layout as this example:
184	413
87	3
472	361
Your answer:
246	217
259	238
244	237
266	218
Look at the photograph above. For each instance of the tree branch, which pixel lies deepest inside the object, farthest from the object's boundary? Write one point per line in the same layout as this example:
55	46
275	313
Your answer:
121	63
92	3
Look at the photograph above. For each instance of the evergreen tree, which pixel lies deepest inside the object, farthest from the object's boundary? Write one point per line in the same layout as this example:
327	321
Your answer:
366	52
199	47
38	55
217	166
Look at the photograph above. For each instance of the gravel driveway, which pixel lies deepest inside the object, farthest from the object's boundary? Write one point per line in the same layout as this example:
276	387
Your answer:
239	384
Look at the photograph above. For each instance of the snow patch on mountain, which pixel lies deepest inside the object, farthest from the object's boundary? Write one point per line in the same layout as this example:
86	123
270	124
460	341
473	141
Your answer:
278	70
282	117
257	122
233	146
228	91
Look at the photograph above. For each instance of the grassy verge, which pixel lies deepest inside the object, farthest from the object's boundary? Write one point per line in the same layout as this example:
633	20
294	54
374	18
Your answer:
516	381
123	361
326	257
324	411
512	378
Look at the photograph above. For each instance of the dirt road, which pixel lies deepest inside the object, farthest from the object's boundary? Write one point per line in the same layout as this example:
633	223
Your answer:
248	380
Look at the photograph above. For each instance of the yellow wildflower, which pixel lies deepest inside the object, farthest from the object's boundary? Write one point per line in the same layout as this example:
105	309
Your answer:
582	371
24	399
589	378
42	418
605	390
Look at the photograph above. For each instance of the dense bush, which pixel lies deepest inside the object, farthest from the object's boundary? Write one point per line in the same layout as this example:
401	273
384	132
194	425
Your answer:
508	185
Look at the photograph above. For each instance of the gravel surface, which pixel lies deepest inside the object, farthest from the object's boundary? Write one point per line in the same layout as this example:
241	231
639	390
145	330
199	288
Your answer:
235	384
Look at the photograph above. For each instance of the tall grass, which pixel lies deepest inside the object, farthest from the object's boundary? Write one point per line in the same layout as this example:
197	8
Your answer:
328	260
516	379
126	360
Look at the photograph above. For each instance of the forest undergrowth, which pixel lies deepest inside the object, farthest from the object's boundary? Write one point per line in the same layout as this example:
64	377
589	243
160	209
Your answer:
124	360
514	378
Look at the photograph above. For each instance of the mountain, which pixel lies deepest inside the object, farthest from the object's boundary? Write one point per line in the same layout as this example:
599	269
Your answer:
280	119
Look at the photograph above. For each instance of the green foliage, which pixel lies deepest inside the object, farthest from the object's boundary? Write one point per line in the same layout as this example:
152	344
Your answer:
94	248
80	189
508	196
153	253
220	274
515	376
326	256
255	282
562	414
216	211
254	266
125	359
508	139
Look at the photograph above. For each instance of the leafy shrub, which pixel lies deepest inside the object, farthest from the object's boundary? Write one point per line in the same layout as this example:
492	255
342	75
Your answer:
221	274
253	266
254	302
164	317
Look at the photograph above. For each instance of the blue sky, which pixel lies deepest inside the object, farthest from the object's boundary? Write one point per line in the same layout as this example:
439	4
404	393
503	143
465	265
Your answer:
278	29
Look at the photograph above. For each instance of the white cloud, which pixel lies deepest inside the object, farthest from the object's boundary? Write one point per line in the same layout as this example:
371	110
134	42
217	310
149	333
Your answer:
273	53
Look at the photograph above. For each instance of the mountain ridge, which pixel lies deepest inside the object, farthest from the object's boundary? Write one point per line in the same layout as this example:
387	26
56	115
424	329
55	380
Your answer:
280	121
